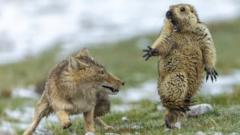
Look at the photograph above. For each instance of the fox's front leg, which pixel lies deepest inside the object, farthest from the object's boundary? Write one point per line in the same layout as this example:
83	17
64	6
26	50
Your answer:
64	119
102	123
89	121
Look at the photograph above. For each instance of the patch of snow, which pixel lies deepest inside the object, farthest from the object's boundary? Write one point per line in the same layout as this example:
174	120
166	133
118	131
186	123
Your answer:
28	27
148	90
224	84
25	93
6	128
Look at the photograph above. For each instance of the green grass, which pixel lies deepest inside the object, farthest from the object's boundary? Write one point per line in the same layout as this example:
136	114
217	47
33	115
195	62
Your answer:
147	120
124	59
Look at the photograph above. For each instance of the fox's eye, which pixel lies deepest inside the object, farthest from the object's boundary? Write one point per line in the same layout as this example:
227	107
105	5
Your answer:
182	9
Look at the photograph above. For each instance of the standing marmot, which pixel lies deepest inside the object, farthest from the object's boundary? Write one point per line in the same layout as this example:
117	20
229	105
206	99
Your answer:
186	49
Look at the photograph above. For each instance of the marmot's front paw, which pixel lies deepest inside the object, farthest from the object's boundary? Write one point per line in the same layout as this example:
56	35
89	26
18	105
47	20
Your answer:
212	73
149	52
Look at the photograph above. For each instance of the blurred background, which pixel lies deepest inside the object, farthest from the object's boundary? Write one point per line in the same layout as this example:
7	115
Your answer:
35	35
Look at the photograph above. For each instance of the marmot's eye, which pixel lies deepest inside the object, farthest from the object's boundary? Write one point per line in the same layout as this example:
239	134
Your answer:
182	9
101	71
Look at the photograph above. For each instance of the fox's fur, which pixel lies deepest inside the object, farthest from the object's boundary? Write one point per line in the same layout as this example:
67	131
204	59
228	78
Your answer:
186	49
74	86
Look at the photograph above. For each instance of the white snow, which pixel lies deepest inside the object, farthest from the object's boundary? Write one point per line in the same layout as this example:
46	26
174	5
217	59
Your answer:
28	27
148	90
224	84
25	93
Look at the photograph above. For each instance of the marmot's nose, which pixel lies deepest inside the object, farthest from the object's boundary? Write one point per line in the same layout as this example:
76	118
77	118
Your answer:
169	14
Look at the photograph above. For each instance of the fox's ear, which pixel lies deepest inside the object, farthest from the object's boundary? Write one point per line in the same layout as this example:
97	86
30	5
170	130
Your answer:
83	52
74	63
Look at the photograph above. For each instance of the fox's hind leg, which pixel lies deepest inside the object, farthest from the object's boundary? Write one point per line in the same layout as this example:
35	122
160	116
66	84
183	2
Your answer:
88	121
102	107
42	110
99	121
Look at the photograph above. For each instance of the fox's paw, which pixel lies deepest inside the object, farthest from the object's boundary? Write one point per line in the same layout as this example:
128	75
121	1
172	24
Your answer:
149	52
67	125
108	127
212	73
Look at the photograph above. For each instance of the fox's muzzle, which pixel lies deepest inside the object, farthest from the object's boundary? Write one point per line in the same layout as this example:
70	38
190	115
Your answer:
111	88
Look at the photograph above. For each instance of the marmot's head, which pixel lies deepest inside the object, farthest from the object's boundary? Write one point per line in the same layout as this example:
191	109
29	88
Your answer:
182	16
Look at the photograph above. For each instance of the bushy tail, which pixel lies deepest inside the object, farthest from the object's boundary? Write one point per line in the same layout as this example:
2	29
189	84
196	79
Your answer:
42	110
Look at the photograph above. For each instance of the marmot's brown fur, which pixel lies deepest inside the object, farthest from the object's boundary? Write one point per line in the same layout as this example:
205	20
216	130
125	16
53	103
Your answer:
186	49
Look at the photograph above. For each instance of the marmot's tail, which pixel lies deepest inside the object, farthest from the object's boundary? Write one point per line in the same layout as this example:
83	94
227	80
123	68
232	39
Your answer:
42	110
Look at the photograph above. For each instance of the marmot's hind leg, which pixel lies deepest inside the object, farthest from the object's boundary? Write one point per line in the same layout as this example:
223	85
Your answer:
173	92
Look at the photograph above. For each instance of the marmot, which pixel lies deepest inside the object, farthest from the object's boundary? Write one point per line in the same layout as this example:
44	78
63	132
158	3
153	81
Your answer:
186	49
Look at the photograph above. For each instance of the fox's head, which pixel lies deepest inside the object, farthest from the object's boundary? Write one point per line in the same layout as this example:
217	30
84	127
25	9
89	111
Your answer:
86	70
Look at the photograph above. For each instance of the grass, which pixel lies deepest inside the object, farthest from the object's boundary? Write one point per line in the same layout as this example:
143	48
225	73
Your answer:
147	120
124	59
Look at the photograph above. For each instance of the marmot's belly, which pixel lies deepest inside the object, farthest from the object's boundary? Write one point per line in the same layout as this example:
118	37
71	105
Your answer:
187	60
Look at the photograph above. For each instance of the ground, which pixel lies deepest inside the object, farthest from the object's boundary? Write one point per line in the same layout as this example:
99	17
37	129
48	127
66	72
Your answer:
127	63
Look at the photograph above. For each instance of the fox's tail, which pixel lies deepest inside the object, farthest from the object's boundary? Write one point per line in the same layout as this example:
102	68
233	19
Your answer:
42	110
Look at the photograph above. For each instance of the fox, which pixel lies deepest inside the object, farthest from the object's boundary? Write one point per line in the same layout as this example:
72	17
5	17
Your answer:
78	84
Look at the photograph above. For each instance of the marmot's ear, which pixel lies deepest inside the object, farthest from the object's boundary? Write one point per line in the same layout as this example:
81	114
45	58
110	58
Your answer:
196	14
74	63
83	52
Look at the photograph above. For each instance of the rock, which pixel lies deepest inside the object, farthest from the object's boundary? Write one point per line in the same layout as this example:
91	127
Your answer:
217	133
199	109
178	125
125	119
111	134
89	133
200	133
